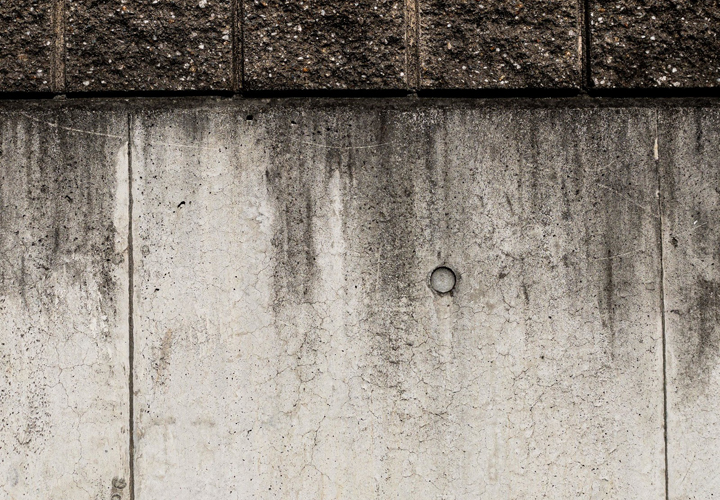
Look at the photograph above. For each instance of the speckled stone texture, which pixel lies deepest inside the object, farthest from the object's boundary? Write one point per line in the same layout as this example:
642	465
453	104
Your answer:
149	45
486	44
653	43
26	44
323	44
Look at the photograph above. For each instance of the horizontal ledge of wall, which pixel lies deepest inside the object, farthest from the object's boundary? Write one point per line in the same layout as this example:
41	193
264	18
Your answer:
254	106
486	94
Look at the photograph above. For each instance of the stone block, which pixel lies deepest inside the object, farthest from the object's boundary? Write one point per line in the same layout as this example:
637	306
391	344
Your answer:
655	44
323	44
487	44
26	45
149	45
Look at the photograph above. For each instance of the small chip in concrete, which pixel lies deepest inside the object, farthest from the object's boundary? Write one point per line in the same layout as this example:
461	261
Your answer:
442	279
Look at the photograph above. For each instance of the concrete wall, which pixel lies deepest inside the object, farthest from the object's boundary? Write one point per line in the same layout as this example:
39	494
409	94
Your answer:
259	45
64	400
230	300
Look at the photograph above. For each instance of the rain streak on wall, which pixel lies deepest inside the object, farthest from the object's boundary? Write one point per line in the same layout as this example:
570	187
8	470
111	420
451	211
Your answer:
258	274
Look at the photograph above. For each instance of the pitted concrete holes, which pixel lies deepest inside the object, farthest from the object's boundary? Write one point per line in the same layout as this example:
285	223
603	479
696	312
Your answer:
118	484
442	279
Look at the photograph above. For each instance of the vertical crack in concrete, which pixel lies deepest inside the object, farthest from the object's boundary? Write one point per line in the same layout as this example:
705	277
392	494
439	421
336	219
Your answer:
412	43
57	77
656	156
131	332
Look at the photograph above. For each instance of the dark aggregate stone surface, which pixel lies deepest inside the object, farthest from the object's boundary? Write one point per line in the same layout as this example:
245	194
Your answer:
149	45
472	44
653	43
26	45
322	44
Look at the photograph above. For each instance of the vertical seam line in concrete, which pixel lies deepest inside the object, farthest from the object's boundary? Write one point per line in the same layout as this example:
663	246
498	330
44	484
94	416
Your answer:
662	303
131	326
58	55
412	43
585	41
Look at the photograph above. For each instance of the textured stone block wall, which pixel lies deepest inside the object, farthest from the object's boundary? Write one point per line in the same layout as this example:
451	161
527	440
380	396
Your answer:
256	45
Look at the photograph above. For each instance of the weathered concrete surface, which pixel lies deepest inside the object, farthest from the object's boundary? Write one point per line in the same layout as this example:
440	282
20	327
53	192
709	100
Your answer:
288	344
26	44
149	45
476	45
63	304
655	43
689	153
324	44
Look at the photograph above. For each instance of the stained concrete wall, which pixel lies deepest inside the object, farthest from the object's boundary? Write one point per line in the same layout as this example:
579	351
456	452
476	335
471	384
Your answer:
230	299
64	400
689	174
